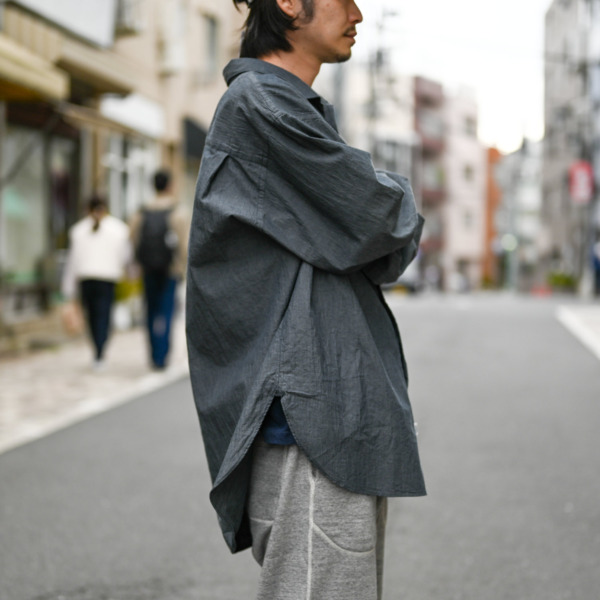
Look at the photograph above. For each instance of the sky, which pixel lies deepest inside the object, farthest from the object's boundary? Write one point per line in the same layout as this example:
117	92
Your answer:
494	47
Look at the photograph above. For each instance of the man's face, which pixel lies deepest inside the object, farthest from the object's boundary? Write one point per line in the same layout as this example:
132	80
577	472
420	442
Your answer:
329	35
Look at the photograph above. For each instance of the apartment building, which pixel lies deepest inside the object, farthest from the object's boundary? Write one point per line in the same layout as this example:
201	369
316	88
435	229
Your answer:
430	128
464	163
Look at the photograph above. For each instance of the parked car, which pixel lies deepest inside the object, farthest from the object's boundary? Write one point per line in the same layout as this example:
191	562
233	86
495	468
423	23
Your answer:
410	280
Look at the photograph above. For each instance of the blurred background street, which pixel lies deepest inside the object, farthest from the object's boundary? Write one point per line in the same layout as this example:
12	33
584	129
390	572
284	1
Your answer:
492	109
506	398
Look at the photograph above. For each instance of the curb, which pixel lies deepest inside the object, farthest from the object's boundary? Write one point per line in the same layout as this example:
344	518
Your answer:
33	430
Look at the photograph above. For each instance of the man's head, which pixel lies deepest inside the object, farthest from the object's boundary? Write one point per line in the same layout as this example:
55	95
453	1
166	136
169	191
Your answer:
162	180
323	29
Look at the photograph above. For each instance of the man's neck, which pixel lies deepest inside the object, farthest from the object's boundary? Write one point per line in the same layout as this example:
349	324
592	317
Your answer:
301	66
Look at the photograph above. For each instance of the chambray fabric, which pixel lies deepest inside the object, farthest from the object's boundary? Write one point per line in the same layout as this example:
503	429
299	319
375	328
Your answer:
292	233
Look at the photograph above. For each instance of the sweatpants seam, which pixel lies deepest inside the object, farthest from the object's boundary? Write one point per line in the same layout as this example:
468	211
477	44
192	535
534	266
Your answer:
337	546
267	521
311	511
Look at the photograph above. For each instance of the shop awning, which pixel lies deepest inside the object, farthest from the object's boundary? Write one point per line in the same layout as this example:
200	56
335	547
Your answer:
195	138
25	76
82	116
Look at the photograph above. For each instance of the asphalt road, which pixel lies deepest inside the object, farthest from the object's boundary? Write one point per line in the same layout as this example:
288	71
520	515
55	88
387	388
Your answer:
508	407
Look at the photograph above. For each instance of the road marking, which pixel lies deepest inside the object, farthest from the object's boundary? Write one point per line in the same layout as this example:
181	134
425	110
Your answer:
32	430
574	321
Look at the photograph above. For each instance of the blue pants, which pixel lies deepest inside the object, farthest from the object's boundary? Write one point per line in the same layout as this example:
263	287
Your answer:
159	292
97	299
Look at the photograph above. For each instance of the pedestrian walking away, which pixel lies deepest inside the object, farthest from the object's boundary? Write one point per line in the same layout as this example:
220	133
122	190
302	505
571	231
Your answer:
159	234
99	251
296	362
596	263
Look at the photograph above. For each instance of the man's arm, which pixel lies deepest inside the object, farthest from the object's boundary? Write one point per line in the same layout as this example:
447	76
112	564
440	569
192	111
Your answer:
320	198
388	268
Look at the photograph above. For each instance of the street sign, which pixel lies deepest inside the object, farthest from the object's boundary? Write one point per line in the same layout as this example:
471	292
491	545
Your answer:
581	182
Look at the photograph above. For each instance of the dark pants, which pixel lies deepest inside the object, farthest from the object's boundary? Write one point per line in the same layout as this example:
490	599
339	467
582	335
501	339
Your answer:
97	299
159	293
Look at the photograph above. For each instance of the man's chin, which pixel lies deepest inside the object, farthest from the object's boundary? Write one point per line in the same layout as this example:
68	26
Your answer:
340	58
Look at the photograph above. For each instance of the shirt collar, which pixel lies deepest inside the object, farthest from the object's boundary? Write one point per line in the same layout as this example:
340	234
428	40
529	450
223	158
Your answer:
237	66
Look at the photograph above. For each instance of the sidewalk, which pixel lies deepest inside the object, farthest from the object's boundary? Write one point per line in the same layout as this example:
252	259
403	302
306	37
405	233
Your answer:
44	392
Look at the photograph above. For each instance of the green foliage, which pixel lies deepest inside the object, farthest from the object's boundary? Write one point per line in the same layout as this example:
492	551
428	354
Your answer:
562	281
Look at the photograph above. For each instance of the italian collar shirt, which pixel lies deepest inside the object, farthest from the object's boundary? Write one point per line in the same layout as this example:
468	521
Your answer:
292	233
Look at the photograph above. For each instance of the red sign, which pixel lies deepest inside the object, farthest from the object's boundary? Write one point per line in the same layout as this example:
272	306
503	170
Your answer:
581	182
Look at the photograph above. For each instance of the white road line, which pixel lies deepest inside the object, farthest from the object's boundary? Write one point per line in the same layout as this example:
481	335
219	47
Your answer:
30	431
574	324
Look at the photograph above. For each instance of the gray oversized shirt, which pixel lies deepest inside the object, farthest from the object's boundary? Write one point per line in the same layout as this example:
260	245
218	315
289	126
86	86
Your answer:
292	233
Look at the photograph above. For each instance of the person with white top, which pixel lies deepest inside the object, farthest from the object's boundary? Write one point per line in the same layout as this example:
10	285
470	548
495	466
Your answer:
99	250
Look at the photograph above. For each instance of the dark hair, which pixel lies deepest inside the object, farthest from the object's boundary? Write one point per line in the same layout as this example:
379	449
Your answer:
162	178
95	204
266	27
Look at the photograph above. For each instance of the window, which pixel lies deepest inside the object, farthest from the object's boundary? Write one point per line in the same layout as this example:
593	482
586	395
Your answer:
172	37
208	69
468	219
24	235
129	167
211	32
469	173
470	127
129	17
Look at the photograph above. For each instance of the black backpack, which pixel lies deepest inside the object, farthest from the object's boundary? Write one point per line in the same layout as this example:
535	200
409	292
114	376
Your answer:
157	242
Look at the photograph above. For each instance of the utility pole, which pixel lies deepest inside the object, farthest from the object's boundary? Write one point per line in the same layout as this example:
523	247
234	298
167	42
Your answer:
378	75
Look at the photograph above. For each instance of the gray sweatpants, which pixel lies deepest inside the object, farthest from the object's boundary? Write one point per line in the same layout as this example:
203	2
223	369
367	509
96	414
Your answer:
314	539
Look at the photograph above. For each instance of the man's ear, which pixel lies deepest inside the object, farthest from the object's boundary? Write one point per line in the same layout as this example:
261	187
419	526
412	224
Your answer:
289	7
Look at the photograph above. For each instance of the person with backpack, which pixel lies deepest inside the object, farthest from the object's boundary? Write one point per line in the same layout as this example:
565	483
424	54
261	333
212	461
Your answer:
160	235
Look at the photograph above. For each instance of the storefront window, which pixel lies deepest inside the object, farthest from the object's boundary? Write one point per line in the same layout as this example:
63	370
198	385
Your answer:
24	236
130	165
25	213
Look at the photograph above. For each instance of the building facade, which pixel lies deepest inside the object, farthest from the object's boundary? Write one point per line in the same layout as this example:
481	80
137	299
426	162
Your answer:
374	111
464	207
94	97
430	128
491	276
409	125
522	238
572	122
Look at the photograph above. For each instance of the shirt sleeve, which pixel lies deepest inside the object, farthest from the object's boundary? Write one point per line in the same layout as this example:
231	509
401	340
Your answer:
388	268
323	199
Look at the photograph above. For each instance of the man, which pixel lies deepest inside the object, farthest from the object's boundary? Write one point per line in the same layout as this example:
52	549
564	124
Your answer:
596	262
296	363
160	236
